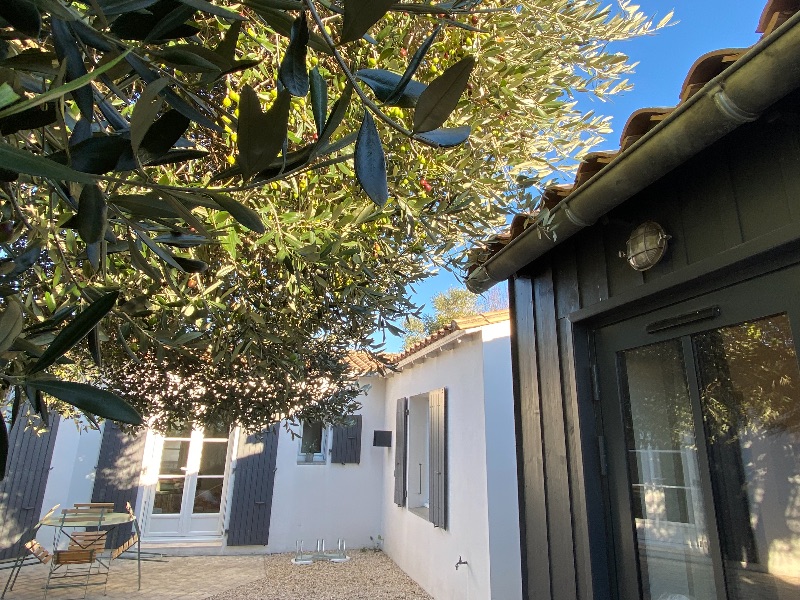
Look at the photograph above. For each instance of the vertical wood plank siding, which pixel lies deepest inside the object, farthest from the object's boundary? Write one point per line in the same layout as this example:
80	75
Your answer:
400	453
119	466
22	491
437	470
253	484
346	447
530	459
738	194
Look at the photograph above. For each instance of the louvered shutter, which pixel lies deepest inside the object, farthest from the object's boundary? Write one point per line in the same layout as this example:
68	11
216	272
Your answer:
253	484
437	472
119	466
346	448
400	453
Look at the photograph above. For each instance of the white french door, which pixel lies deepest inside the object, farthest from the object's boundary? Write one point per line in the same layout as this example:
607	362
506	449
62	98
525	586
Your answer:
189	471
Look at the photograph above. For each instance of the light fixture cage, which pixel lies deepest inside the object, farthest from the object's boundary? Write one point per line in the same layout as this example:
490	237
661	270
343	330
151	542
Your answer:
646	246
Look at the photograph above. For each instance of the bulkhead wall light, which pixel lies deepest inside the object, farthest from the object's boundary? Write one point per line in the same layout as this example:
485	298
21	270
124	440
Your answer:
646	246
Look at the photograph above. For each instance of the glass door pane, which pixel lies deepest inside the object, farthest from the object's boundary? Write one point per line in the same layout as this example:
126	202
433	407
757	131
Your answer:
210	477
750	393
662	458
171	477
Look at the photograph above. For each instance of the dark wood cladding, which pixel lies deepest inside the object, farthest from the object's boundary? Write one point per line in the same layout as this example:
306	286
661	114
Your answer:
743	189
22	491
253	485
732	210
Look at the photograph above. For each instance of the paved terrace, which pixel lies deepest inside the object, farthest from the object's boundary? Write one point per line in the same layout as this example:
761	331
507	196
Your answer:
368	576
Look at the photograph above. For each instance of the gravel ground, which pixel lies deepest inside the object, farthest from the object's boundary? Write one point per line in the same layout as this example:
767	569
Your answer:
367	576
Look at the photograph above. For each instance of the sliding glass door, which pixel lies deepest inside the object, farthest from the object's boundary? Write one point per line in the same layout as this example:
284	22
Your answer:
700	406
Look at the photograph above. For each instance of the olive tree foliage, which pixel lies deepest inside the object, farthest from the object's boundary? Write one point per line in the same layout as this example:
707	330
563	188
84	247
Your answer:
205	206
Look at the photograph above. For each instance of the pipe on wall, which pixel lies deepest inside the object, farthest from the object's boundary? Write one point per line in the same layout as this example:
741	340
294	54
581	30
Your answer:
766	73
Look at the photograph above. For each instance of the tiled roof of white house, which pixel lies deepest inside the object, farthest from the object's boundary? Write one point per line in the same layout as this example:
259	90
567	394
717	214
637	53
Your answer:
363	363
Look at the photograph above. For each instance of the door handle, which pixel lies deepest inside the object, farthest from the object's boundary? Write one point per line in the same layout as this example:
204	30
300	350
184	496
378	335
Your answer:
702	314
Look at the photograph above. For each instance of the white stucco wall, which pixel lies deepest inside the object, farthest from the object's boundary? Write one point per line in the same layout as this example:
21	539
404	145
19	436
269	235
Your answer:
72	468
330	501
429	554
501	464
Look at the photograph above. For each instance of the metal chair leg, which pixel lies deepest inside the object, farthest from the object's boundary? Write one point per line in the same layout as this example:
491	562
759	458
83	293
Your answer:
12	576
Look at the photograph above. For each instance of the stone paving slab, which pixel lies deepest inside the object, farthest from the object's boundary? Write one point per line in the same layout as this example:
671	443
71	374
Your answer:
369	575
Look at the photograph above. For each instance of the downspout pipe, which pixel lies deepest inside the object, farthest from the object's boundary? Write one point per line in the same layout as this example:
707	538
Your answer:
766	73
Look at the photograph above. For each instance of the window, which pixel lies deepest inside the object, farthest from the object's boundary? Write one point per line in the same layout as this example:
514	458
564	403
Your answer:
313	442
421	456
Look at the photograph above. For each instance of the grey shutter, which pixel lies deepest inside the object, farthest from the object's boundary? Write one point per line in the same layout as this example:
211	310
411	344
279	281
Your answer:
437	401
22	491
400	453
346	448
119	467
253	484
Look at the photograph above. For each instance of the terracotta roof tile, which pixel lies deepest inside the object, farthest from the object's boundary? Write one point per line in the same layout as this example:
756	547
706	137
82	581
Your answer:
489	318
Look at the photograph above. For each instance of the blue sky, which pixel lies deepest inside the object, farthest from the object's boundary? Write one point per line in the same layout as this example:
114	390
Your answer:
664	59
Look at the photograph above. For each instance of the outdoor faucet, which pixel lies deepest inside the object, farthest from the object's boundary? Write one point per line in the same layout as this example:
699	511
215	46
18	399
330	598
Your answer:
460	562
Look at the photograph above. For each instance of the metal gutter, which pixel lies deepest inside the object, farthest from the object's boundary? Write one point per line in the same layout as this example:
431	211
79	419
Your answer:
740	94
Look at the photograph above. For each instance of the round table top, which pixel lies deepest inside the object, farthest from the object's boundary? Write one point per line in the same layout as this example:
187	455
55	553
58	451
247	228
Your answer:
112	518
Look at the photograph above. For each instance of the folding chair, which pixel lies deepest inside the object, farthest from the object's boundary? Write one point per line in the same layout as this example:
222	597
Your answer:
31	553
84	548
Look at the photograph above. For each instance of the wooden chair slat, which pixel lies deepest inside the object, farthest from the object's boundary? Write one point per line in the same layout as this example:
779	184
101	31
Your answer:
73	557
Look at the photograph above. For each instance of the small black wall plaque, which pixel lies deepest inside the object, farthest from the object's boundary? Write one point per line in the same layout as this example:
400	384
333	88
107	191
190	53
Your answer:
382	439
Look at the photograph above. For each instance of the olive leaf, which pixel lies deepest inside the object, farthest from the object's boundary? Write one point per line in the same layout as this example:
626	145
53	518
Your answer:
75	331
93	340
260	135
190	265
335	119
89	399
22	15
92	214
384	83
319	98
292	71
145	111
212	9
11	323
162	135
412	67
98	155
185	58
445	137
243	214
360	15
67	49
33	118
370	162
19	161
60	91
441	96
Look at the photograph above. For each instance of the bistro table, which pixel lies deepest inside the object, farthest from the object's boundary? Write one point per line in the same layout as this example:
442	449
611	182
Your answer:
112	520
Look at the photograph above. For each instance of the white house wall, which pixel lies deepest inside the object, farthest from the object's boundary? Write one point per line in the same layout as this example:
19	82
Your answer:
72	469
330	501
501	463
429	554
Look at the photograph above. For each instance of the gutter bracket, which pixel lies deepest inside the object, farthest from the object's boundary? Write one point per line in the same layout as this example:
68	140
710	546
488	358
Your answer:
576	220
730	109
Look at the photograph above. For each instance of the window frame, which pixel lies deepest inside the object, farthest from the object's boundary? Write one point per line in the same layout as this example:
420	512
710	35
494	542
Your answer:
313	458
